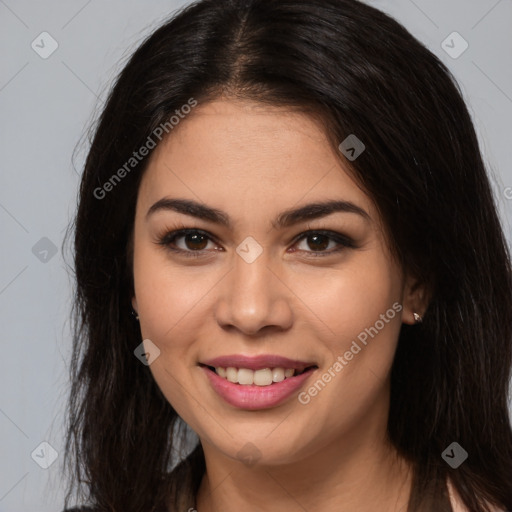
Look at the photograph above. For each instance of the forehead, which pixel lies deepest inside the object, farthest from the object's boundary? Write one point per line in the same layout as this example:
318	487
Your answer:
241	155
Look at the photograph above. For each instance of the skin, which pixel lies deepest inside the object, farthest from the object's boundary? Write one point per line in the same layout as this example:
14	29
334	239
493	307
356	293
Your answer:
252	162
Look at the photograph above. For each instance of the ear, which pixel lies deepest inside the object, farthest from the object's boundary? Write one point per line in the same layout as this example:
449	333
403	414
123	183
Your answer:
415	300
134	304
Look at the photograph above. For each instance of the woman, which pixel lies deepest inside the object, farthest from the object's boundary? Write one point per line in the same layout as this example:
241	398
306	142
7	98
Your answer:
286	238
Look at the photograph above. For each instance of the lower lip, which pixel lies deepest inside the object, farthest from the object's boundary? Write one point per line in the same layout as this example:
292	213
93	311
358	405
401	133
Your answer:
252	397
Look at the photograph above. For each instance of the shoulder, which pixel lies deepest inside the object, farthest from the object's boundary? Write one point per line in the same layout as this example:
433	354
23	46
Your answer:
456	501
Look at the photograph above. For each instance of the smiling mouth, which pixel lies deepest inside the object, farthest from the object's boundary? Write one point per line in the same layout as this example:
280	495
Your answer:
261	377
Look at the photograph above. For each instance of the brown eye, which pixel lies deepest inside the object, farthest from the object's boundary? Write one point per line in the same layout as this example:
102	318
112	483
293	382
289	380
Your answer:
317	242
195	241
193	244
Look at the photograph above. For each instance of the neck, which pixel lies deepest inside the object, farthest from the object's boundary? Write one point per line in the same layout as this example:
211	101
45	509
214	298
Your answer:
364	477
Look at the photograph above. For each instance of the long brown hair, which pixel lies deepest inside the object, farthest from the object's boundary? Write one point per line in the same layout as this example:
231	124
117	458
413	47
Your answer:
361	73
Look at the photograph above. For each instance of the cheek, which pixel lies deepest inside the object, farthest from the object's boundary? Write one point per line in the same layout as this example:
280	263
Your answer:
168	302
345	301
357	315
365	295
362	310
168	296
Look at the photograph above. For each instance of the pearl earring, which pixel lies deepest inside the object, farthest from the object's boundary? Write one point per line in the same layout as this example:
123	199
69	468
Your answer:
418	319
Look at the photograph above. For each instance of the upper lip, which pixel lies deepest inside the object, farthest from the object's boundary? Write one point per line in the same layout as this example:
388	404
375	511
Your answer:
257	362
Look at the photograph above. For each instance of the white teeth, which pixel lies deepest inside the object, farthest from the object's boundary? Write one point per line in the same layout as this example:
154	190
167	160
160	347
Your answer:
263	377
246	377
277	374
232	374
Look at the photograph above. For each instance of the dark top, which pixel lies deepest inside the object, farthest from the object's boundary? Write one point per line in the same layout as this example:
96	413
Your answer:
79	509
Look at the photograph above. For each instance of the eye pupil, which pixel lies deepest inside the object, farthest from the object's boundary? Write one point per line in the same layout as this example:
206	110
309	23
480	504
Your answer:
196	239
319	246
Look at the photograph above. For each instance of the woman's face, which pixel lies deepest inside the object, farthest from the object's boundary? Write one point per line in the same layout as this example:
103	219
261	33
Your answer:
253	285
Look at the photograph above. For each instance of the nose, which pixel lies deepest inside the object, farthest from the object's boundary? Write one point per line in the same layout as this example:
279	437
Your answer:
254	299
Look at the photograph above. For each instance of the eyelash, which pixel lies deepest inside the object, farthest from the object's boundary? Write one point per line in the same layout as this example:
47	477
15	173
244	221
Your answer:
169	237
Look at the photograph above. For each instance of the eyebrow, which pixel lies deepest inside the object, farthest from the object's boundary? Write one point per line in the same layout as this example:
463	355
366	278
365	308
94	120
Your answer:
285	219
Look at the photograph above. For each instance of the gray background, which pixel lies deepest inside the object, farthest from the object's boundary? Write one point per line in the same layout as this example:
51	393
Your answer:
45	105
